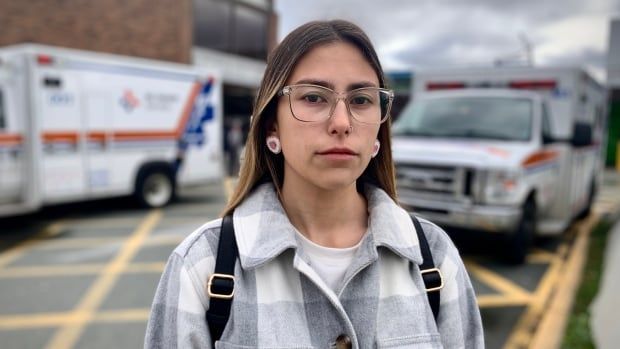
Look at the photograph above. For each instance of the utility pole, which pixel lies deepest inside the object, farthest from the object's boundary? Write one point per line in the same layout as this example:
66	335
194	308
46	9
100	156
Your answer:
517	57
529	50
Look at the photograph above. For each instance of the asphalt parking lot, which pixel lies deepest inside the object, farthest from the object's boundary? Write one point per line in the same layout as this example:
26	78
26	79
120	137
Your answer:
84	275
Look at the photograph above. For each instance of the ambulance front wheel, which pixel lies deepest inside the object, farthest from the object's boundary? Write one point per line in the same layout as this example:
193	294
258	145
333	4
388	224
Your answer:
518	243
155	187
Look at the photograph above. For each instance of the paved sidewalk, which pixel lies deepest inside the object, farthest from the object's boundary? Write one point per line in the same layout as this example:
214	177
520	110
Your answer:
606	306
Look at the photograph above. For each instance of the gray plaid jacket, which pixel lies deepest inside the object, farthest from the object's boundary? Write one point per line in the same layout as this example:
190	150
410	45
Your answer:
281	302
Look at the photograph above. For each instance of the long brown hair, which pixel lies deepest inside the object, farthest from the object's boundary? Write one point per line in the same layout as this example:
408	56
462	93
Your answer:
259	164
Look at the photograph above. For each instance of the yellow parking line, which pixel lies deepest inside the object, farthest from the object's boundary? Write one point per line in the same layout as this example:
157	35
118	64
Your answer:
72	270
13	322
162	240
78	242
190	216
50	270
137	268
521	334
15	252
543	323
606	206
67	336
125	315
496	300
550	279
498	282
104	222
67	243
30	321
540	256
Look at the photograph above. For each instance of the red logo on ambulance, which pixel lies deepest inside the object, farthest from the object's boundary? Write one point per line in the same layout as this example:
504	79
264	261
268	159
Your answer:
129	101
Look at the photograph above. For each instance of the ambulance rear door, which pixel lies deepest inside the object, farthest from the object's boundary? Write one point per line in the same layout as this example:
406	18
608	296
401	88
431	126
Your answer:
15	148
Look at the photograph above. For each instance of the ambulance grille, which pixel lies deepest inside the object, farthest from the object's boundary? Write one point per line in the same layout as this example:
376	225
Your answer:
443	183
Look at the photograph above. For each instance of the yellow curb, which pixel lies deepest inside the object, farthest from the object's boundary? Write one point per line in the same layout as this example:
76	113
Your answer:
544	322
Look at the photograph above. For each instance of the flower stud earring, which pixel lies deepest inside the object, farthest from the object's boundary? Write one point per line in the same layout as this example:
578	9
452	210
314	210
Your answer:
375	148
273	143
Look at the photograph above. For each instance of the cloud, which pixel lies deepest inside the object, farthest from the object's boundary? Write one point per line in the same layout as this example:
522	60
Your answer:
412	34
573	34
575	41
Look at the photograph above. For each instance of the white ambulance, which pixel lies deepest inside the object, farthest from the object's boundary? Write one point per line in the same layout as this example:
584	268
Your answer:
78	125
512	150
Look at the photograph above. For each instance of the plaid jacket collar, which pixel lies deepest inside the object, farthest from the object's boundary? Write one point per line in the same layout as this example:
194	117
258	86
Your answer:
263	230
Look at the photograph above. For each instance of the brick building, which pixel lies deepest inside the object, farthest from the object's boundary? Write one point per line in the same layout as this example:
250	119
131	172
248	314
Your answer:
136	28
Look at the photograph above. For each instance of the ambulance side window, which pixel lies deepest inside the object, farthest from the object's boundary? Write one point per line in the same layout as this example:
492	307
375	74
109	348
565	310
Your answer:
2	116
546	123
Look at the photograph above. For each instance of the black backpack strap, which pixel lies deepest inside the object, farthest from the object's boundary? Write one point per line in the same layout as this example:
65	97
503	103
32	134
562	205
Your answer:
433	280
221	284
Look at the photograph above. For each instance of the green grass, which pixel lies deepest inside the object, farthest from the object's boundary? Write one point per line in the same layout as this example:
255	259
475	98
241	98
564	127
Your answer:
578	334
613	129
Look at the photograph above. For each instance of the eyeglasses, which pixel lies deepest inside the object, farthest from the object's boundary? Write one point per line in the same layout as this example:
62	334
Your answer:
313	103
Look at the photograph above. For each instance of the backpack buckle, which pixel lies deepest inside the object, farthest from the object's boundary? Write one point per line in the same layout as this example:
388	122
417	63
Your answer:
433	277
222	282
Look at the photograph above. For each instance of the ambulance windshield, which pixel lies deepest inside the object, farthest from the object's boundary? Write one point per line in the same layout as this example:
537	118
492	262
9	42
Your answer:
492	118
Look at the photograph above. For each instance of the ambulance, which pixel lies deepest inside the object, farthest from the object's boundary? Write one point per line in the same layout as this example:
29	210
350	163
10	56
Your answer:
77	125
516	151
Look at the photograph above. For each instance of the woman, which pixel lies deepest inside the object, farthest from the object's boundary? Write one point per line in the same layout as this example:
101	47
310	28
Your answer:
327	258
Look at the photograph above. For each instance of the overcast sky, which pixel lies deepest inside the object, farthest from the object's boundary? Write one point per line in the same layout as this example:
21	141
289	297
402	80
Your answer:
411	34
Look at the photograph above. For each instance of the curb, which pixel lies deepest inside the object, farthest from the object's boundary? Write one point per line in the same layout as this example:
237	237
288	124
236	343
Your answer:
550	331
552	327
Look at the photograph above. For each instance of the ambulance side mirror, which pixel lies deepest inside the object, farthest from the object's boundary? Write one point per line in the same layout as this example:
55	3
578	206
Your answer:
582	135
546	139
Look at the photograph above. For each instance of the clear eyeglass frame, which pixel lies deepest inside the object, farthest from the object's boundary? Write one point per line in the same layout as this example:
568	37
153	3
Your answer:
344	96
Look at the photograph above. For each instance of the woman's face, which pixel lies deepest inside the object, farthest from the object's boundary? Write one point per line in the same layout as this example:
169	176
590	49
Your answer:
329	154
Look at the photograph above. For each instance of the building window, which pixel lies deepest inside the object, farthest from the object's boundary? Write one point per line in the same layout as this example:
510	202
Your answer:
251	32
212	20
232	26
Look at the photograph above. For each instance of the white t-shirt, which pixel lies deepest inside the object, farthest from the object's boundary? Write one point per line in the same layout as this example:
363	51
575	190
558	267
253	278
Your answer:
330	263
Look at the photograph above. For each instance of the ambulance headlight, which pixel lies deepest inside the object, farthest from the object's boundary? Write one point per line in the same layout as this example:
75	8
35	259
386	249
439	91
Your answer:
499	186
